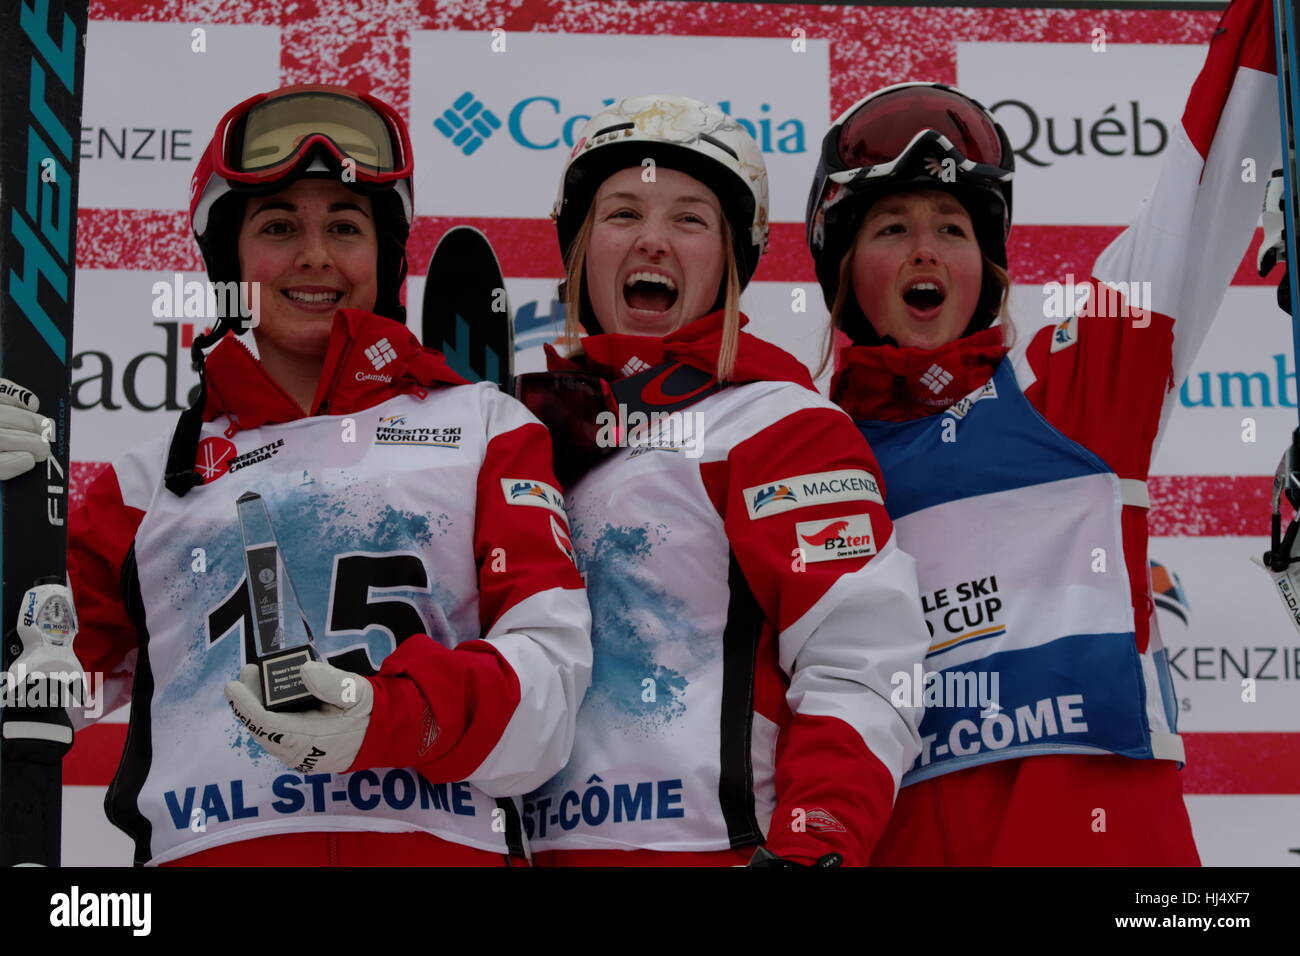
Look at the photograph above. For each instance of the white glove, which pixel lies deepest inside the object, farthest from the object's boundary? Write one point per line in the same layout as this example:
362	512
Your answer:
22	431
1272	249
324	739
1288	588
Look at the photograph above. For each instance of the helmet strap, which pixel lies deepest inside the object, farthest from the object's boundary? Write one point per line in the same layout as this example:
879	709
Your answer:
180	475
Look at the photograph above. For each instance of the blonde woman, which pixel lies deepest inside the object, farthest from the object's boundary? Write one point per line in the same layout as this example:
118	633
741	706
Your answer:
750	605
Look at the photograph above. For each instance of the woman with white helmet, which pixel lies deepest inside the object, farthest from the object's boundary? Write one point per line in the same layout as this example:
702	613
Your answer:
1018	480
416	521
750	605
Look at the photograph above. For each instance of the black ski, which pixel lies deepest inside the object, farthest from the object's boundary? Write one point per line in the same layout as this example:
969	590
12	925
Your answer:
1288	88
42	65
466	314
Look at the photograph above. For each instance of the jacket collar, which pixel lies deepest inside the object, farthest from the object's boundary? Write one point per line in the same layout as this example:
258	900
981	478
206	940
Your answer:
614	356
892	384
369	360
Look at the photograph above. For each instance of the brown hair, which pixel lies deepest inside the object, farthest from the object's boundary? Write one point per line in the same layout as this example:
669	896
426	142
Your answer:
577	304
846	306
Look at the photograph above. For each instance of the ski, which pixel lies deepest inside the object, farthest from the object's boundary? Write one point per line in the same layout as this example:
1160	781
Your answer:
1288	87
42	68
466	314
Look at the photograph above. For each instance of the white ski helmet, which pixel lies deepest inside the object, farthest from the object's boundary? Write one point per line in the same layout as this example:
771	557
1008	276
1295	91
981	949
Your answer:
680	133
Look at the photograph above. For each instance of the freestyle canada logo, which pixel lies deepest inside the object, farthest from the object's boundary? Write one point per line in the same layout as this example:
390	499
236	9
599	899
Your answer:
543	123
213	458
217	455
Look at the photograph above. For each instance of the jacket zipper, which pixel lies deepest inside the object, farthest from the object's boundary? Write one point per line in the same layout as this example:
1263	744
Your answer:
338	372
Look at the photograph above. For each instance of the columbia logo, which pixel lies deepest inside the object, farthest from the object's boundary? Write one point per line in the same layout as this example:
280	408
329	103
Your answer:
381	353
936	379
633	366
467	123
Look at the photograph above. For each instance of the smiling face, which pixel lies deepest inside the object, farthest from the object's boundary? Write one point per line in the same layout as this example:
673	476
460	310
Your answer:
656	257
313	249
917	268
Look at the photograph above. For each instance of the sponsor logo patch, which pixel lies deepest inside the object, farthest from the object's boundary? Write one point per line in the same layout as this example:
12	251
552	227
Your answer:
14	390
959	408
391	431
216	456
525	491
264	453
561	536
381	353
819	488
1065	334
213	458
936	378
834	538
819	819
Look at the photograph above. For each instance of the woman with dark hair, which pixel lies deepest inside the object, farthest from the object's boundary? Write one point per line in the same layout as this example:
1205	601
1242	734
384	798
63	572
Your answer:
414	525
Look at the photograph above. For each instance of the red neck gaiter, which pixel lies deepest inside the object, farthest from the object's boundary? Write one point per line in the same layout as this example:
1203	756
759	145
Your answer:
892	384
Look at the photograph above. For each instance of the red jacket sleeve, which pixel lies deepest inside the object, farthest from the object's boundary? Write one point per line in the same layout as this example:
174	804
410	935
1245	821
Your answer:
504	706
803	509
100	536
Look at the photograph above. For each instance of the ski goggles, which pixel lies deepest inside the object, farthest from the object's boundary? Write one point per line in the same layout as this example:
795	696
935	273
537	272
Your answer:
267	136
886	129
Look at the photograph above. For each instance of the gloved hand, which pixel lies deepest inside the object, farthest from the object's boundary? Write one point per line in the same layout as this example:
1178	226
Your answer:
22	436
1272	249
766	858
325	739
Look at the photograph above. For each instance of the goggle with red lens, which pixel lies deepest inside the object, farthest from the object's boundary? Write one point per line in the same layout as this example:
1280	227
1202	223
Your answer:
885	129
266	137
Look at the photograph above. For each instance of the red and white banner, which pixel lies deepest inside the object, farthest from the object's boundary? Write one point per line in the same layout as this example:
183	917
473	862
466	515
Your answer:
1090	99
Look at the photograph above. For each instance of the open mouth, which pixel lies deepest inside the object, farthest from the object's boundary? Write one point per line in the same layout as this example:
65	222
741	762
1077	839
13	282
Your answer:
924	296
649	292
312	298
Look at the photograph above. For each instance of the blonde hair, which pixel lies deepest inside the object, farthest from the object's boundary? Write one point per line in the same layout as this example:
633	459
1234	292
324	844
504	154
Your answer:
846	299
577	303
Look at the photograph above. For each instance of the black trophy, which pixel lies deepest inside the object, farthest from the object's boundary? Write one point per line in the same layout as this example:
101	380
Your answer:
282	640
